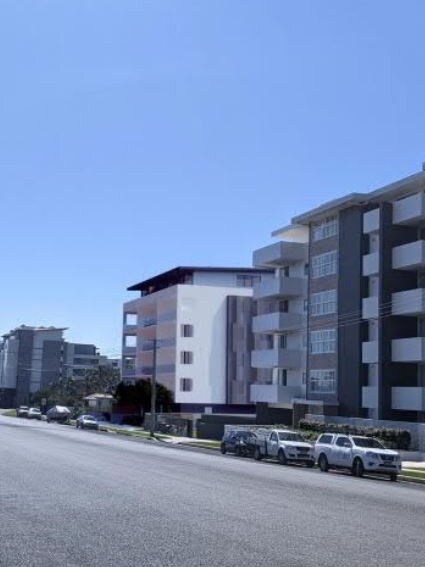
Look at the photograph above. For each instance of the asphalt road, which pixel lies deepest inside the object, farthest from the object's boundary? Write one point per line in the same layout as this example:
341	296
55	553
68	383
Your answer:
77	498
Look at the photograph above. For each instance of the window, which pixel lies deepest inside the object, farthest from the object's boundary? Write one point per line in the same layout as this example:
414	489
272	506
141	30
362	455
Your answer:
323	303
245	280
326	228
305	304
306	269
186	384
129	363
130	318
322	341
186	330
130	340
186	357
282	341
322	381
326	439
284	306
324	264
282	376
343	442
85	361
285	272
273	437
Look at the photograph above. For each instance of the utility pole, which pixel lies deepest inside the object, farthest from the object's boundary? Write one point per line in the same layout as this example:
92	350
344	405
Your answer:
153	392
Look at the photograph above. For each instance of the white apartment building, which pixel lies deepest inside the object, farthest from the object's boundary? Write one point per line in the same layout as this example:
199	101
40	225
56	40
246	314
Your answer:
192	326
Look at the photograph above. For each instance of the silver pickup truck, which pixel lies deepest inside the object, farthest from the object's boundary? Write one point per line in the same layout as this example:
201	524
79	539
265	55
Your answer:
285	446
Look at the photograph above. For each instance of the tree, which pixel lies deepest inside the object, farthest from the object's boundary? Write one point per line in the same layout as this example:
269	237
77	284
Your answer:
140	394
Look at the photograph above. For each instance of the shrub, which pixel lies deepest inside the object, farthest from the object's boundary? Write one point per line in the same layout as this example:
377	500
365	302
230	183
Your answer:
391	437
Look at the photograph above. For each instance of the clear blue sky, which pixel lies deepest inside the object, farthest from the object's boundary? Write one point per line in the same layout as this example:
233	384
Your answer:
139	135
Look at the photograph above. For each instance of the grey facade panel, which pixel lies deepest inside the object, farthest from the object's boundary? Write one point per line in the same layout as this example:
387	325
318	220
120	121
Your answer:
351	329
51	369
23	377
240	343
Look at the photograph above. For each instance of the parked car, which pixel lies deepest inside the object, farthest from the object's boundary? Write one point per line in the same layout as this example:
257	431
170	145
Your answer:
86	422
240	442
284	445
22	411
58	413
34	413
358	454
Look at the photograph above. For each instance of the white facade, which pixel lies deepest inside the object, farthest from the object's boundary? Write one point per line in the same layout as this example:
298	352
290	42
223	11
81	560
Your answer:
189	324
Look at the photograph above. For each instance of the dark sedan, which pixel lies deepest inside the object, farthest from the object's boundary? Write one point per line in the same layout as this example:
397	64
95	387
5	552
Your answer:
242	443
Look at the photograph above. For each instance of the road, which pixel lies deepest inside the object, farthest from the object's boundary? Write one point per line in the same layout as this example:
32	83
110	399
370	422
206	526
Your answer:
78	498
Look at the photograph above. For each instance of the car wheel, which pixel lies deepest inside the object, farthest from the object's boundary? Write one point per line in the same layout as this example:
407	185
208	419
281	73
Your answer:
393	477
257	454
223	449
358	468
323	463
281	457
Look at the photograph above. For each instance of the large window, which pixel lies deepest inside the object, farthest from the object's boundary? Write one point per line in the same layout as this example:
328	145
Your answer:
328	227
322	381
323	303
324	264
186	384
186	357
322	341
186	330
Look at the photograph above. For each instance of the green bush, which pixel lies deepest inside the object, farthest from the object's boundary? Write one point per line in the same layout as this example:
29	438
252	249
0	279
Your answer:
392	438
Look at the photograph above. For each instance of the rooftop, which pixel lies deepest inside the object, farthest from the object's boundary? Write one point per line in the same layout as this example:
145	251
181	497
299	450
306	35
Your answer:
393	191
33	328
182	275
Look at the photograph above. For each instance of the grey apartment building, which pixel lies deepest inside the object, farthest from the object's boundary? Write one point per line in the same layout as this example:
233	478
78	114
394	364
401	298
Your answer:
34	358
347	336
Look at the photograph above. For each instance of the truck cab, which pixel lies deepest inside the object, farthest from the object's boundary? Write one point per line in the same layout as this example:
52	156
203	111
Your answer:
284	445
356	453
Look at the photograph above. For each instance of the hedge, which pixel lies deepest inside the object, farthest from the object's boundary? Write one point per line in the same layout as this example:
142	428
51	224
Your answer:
393	438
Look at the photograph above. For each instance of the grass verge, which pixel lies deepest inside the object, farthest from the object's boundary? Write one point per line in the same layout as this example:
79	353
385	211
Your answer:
204	444
413	473
9	413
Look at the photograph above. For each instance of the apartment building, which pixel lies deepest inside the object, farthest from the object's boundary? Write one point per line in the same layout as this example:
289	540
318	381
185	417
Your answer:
192	327
280	323
365	299
34	358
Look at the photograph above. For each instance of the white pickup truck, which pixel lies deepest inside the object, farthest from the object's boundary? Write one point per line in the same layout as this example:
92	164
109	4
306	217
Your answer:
285	446
356	453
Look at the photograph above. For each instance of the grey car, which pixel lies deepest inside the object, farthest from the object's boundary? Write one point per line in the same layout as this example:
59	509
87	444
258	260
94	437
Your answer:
86	422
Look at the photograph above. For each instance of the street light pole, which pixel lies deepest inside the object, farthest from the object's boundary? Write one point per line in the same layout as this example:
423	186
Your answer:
153	392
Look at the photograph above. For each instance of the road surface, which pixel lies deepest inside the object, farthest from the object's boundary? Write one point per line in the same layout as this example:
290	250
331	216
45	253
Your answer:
78	498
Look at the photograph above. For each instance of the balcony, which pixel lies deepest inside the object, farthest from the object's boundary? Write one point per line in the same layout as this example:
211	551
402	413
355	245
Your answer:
280	253
371	221
408	398
410	303
274	394
130	329
276	322
410	210
371	264
128	350
370	397
409	256
408	350
280	287
276	358
370	307
370	352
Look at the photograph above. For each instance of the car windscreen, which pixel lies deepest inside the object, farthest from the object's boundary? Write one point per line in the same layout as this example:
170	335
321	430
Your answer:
367	442
89	417
288	436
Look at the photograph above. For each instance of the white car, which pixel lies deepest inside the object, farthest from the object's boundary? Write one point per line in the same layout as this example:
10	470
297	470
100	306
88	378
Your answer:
284	445
358	454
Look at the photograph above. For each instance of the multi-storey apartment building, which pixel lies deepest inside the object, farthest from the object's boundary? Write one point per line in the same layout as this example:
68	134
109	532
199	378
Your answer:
192	327
34	358
366	303
280	323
